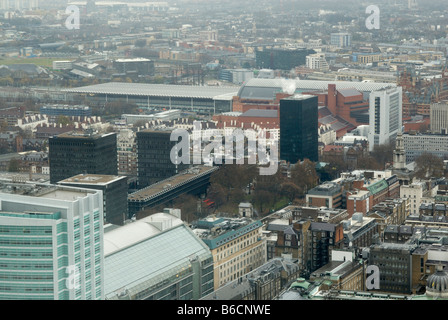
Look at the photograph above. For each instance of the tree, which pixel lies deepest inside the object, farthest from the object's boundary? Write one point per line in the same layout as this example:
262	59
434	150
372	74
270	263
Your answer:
369	163
429	166
13	165
263	200
64	120
383	154
304	175
290	190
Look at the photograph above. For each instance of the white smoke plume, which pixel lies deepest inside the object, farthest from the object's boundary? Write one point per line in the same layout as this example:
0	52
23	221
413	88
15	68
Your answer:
288	86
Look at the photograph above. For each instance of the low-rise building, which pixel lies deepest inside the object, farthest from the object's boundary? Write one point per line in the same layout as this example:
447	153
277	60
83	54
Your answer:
144	261
264	283
238	246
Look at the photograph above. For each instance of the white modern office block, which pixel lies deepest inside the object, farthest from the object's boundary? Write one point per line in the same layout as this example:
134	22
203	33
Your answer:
51	243
439	117
385	115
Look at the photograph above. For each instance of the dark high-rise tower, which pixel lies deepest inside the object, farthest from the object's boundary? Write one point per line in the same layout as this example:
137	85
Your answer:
153	157
75	153
298	128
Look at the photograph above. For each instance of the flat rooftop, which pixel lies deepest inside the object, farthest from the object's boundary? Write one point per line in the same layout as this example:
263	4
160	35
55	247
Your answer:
170	183
44	190
156	90
91	179
83	135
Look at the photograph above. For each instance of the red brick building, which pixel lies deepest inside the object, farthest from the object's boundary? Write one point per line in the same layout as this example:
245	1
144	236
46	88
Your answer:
347	104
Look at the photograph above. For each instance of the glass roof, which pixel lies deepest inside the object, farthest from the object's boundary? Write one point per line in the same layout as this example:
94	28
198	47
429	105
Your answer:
155	258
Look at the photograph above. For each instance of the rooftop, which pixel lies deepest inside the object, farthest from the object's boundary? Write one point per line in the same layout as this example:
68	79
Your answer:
119	238
83	135
170	183
91	179
258	88
44	190
156	90
260	113
143	254
218	231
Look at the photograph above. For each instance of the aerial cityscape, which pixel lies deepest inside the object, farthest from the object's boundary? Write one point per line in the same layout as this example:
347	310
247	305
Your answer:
204	150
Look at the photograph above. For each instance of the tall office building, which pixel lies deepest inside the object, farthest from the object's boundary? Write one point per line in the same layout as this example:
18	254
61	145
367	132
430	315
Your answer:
385	115
51	243
115	193
284	59
341	39
299	128
153	157
317	62
75	153
439	117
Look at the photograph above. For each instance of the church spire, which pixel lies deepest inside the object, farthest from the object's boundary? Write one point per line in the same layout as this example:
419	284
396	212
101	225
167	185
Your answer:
399	153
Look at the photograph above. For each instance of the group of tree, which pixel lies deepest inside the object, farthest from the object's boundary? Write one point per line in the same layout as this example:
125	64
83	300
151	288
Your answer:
233	184
429	166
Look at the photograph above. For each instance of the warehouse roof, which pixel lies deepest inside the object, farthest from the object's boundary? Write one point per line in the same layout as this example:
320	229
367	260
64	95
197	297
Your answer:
157	90
258	88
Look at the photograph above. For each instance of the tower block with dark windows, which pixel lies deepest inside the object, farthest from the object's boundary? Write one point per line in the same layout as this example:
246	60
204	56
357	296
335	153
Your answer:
298	128
153	157
75	153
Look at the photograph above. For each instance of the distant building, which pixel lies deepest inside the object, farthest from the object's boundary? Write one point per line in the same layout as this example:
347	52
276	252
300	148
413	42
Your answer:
385	116
291	239
439	118
397	233
418	144
74	153
389	212
52	111
299	128
127	152
324	237
202	99
341	40
62	65
283	59
317	62
135	67
236	76
415	193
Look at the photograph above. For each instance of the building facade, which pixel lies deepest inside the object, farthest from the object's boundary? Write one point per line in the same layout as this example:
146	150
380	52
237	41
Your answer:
237	246
418	144
153	157
385	116
115	194
299	128
71	154
51	243
439	118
